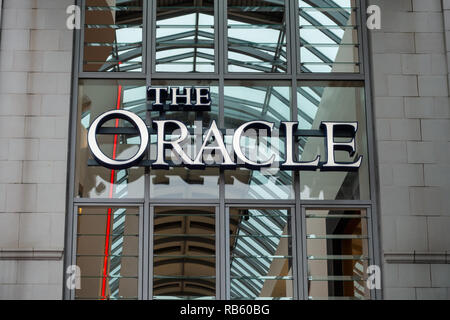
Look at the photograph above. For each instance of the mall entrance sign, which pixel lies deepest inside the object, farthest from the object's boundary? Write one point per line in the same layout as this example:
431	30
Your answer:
213	141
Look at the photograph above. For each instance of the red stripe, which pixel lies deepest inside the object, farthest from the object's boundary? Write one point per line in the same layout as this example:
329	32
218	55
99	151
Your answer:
111	189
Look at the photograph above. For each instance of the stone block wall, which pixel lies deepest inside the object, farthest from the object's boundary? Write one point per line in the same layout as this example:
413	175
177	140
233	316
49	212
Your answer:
35	85
410	65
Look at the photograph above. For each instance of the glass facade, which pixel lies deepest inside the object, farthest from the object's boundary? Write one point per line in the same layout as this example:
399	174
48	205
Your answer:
241	234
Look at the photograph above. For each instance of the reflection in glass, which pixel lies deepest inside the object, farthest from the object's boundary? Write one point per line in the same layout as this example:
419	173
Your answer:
113	36
257	36
338	256
260	254
95	98
249	101
255	100
182	183
108	253
184	253
332	101
185	36
328	36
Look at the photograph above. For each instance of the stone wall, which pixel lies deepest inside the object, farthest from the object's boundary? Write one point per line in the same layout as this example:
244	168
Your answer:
411	104
35	85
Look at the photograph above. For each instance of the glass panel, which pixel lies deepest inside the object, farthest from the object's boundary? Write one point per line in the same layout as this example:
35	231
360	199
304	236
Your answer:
184	253
257	36
249	101
332	101
96	97
338	253
328	36
108	253
113	36
260	254
181	183
185	36
256	100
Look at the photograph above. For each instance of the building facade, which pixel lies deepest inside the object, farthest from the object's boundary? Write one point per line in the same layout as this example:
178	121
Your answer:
73	229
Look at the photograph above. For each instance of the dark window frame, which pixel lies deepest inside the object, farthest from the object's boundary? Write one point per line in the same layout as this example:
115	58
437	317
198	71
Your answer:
293	76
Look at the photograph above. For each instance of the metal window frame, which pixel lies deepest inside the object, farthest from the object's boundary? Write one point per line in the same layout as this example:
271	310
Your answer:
142	247
221	74
296	276
150	234
331	206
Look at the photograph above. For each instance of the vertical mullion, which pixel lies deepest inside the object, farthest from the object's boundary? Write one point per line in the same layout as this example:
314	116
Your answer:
222	223
141	257
70	226
304	253
81	40
74	246
372	149
359	26
149	45
219	248
297	217
145	61
146	231
148	266
151	222
296	35
217	42
288	37
152	32
227	254
369	244
224	26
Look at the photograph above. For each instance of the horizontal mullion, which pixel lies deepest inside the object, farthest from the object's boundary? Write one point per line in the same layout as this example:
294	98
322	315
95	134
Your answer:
261	298
183	277
261	277
335	216
335	236
113	75
103	235
184	235
109	255
184	256
114	8
328	8
109	298
325	45
260	257
113	26
109	277
184	297
260	236
338	257
184	26
314	26
333	298
82	215
306	63
184	215
336	278
240	9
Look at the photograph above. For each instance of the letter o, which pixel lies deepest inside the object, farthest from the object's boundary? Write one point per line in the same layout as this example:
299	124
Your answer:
101	158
